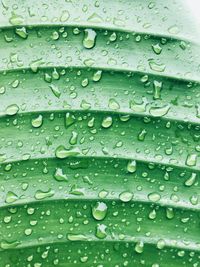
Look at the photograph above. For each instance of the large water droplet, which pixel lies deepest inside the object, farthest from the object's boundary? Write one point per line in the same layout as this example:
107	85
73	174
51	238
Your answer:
131	166
62	152
59	175
37	122
101	231
126	196
89	38
12	109
159	111
99	211
107	122
44	194
191	160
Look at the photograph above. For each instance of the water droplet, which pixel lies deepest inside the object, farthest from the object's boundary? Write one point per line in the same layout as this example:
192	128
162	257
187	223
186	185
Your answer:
156	66
154	197
101	231
77	191
37	122
131	166
126	196
99	211
76	237
159	111
65	16
194	200
191	160
12	110
44	194
191	180
161	244
55	90
85	82
173	29
73	139
16	19
107	122
59	175
69	119
139	247
141	135
89	38
11	197
21	32
157	48
157	89
113	37
97	76
8	245
139	107
85	105
113	104
62	152
169	213
35	64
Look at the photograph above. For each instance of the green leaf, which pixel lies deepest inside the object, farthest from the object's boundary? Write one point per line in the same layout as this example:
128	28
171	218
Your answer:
99	133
